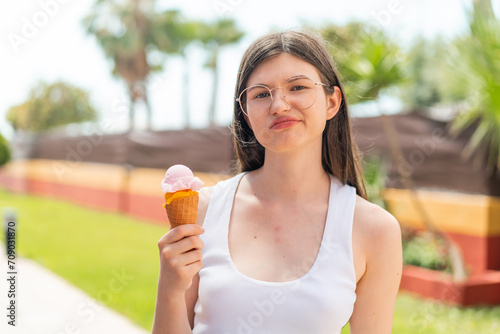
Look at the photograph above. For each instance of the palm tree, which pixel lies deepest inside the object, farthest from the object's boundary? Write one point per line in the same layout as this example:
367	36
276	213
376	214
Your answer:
187	34
477	55
124	29
483	6
422	89
173	35
367	59
214	37
371	63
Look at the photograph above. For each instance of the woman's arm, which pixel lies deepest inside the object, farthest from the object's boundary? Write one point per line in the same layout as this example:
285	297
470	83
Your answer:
192	292
180	262
380	234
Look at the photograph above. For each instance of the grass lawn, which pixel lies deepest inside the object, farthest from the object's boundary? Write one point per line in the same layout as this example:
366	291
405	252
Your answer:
414	315
89	248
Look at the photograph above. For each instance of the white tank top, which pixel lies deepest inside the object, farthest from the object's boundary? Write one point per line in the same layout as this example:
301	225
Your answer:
320	302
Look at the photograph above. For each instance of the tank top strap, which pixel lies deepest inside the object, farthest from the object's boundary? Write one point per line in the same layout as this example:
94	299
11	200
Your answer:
339	224
342	199
321	301
219	207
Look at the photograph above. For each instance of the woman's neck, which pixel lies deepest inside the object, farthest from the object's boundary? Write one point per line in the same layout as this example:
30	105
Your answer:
291	176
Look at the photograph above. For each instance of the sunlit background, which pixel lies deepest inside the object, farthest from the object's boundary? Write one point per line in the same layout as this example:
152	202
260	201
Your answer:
99	97
62	50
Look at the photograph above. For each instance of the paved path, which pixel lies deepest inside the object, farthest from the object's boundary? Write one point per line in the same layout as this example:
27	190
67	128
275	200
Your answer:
47	304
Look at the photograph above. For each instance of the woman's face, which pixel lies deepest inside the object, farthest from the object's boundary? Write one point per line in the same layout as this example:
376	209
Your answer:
285	127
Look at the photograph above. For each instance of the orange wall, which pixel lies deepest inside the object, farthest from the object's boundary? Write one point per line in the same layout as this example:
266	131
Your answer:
473	221
94	185
476	215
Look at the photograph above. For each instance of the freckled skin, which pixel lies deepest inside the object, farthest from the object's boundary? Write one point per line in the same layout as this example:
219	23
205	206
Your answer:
277	238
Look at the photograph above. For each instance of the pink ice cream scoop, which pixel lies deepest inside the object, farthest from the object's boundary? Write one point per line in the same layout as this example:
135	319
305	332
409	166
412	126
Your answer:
180	177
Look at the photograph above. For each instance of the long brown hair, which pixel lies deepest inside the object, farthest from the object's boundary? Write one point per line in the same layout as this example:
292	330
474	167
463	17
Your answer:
340	155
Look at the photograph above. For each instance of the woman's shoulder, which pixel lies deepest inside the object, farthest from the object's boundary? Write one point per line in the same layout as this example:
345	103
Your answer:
206	193
373	215
374	226
204	198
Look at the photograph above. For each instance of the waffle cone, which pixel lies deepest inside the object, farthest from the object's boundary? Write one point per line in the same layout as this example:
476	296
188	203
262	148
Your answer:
182	210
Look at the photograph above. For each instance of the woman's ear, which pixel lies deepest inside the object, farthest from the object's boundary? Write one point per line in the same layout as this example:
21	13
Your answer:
334	101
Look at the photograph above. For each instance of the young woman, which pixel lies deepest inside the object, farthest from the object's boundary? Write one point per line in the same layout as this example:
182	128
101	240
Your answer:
290	244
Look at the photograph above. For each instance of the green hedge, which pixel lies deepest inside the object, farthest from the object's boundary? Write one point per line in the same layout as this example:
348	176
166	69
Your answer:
424	250
4	151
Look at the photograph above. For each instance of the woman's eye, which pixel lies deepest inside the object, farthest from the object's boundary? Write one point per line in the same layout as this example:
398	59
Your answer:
262	95
298	87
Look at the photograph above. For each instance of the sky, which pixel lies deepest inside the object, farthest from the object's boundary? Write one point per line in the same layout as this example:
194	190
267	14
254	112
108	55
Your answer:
45	40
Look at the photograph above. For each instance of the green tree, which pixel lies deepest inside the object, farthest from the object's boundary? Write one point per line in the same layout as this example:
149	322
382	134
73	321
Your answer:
51	105
124	29
375	174
477	83
214	37
368	61
424	63
4	151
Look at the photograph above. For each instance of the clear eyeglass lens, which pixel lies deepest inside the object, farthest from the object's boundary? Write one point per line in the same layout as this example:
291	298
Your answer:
298	93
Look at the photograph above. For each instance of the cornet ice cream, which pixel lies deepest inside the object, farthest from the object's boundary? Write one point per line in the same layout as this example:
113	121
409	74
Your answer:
181	195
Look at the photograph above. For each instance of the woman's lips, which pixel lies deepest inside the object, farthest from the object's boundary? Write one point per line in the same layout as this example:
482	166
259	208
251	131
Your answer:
284	122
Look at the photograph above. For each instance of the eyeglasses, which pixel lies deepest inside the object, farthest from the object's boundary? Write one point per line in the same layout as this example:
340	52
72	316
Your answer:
298	92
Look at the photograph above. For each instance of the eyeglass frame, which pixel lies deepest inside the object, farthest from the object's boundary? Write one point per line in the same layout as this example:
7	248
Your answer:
282	95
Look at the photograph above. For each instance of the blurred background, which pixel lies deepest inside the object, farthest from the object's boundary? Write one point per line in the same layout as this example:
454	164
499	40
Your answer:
100	97
75	42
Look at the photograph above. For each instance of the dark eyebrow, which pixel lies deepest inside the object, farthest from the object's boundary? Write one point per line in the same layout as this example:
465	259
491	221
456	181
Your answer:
295	77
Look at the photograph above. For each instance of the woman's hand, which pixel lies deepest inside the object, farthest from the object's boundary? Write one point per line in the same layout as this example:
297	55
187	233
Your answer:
180	261
180	257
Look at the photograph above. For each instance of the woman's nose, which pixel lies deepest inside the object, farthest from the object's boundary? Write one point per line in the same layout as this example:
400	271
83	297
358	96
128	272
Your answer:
279	102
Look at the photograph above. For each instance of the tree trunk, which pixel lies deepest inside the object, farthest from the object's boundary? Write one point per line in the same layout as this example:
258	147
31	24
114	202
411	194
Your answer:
131	111
186	93
454	253
483	5
149	123
215	82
